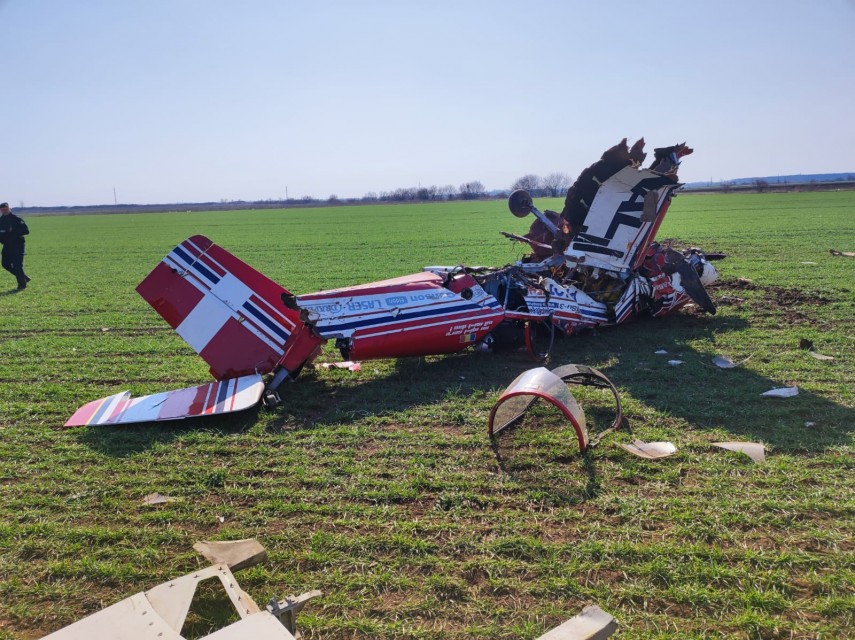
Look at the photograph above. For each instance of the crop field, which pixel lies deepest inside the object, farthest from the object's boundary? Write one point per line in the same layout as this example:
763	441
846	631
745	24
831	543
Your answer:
381	487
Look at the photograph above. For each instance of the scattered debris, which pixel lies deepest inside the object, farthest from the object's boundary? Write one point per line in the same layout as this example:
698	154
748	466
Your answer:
347	364
810	424
847	254
753	450
820	356
781	392
235	554
675	363
807	262
723	362
105	329
592	624
650	450
157	498
661	352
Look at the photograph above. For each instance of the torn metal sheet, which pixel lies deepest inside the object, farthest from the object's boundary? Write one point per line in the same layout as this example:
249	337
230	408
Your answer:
676	363
753	450
781	392
650	450
235	554
592	624
846	254
723	362
820	356
157	498
224	396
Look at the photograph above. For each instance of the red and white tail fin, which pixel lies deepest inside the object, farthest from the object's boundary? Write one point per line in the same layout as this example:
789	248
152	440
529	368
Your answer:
228	312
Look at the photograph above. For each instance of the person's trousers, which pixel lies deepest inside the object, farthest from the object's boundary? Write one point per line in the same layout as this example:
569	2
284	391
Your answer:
13	262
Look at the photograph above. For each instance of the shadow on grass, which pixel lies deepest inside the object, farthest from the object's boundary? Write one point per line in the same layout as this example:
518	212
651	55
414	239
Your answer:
541	478
126	440
707	397
696	392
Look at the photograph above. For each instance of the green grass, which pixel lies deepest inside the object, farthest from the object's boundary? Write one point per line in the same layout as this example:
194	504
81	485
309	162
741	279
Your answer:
381	488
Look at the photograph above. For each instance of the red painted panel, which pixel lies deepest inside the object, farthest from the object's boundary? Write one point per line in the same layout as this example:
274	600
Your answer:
172	296
235	351
417	338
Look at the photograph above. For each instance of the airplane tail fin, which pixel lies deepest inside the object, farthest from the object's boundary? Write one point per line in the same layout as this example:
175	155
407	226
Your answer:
228	312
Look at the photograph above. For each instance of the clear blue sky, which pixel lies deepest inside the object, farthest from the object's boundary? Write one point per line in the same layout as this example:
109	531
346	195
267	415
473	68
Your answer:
202	100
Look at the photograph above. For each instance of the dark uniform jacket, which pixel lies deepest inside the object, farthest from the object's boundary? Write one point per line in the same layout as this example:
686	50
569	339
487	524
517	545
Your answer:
12	231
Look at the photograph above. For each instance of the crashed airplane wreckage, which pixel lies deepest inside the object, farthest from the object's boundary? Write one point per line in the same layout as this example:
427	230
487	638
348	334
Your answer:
595	264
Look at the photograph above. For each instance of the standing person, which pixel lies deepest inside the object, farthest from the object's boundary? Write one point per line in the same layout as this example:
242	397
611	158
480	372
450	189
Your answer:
12	232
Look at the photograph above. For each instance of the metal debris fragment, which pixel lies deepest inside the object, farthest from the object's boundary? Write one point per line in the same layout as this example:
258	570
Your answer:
820	356
753	450
650	450
676	363
236	554
158	498
723	362
781	392
592	624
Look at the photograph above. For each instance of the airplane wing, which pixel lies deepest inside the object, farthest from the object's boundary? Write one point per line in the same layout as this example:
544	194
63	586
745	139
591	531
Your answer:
224	396
228	312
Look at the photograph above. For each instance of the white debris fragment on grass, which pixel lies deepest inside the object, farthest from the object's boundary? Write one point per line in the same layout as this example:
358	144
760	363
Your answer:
820	356
158	498
650	450
753	450
723	362
781	392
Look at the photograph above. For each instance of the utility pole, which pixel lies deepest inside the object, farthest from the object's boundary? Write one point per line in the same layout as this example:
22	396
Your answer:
115	199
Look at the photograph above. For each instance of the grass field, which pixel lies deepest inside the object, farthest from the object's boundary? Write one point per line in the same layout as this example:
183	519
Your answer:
381	488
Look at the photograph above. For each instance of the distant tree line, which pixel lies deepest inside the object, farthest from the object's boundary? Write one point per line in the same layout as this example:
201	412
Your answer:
466	191
553	185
